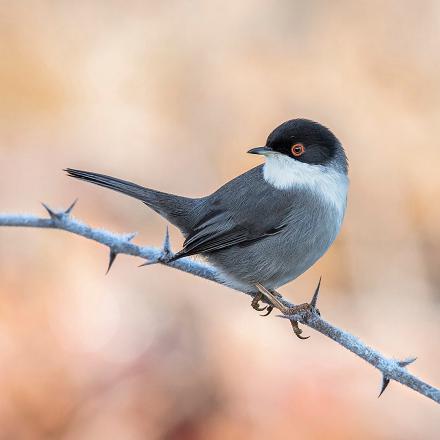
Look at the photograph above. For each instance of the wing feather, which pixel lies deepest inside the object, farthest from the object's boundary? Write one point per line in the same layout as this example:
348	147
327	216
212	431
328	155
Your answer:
246	209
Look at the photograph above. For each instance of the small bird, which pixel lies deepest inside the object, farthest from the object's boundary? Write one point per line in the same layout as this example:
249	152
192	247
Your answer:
269	225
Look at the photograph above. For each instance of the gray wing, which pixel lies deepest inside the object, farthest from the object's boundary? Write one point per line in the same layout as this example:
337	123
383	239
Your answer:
242	211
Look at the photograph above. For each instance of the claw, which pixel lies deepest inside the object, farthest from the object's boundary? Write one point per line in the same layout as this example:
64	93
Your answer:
269	311
297	330
258	308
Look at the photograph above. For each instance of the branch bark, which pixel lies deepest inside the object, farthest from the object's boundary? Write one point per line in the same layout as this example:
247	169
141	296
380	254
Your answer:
391	369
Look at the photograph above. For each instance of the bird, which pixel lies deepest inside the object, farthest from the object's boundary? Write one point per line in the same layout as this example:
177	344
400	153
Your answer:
267	226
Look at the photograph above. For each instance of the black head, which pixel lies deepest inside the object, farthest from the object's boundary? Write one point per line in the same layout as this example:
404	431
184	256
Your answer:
305	141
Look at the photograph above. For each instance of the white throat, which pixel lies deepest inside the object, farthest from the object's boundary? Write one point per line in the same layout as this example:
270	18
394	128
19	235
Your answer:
286	173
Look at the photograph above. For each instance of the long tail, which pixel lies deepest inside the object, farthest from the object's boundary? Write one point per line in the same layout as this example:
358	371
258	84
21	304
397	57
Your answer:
178	210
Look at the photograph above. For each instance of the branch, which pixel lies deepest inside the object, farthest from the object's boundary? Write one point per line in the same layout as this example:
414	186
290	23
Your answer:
390	369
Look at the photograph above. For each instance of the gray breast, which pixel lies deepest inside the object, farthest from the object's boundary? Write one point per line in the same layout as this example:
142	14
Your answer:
310	226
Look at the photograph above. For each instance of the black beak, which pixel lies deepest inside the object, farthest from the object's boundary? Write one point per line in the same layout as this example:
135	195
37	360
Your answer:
261	150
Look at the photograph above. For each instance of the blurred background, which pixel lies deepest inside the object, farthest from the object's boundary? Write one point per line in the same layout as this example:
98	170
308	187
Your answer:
171	95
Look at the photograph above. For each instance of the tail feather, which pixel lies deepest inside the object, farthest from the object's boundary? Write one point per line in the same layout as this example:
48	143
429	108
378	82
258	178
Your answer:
178	210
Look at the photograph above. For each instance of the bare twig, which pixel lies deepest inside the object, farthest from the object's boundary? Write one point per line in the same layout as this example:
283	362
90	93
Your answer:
121	244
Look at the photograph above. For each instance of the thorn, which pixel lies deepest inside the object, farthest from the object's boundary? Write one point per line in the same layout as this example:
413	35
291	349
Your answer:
111	260
70	208
406	362
166	243
148	263
130	236
386	380
314	300
53	215
385	383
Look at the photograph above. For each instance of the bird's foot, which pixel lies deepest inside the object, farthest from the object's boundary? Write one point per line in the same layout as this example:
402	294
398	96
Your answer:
256	303
305	308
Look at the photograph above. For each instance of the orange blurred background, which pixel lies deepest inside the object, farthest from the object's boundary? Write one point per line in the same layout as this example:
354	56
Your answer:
171	95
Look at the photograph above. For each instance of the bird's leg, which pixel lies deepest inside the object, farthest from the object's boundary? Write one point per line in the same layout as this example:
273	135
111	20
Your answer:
306	307
270	307
256	303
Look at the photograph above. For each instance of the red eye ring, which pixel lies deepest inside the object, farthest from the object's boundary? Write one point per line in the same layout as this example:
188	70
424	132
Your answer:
297	150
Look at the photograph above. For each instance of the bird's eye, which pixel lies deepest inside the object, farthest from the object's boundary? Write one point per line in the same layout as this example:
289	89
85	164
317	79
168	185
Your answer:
298	150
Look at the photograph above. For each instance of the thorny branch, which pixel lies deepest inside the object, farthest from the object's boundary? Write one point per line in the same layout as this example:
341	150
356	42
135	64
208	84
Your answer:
390	369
